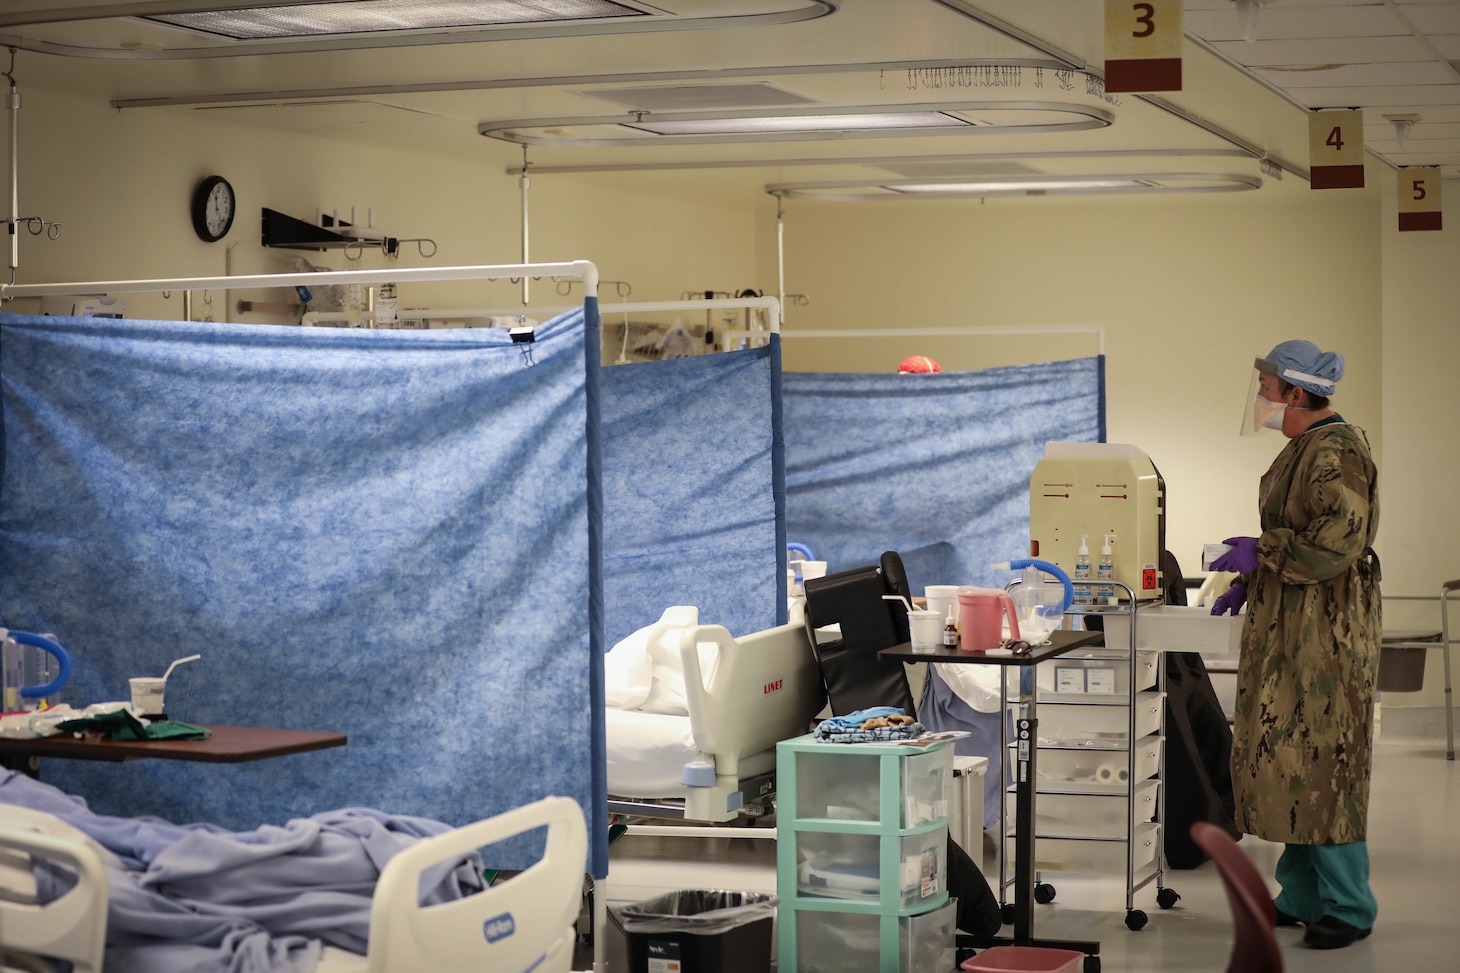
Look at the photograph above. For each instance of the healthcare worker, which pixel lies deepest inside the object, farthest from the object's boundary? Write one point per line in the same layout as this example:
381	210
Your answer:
1310	648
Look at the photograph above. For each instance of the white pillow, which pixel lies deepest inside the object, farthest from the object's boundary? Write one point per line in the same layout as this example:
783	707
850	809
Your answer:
629	668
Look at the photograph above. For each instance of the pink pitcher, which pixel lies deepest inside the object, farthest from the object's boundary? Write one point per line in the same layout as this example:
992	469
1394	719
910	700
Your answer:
981	614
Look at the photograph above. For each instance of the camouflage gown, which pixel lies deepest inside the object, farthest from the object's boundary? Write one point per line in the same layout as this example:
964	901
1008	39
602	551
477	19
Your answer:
1310	645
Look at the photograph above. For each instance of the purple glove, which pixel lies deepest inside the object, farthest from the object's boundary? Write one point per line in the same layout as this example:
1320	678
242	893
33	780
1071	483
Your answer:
1242	558
1233	598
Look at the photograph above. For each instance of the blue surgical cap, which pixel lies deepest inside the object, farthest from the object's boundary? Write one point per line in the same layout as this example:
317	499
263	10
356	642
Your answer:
1304	364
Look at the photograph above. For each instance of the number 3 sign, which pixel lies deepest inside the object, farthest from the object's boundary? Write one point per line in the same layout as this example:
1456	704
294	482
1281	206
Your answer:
1142	45
1336	149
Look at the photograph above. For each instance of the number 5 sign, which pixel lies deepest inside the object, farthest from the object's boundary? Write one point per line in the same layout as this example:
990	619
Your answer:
1142	45
1419	199
1336	149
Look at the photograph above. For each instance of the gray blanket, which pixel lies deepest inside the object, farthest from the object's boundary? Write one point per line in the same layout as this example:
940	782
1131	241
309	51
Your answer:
198	899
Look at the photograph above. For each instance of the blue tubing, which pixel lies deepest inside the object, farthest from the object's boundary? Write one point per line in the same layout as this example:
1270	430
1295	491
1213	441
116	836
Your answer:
1049	568
802	548
41	642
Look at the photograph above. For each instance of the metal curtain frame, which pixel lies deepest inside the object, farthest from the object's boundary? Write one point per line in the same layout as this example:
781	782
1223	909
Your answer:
770	305
584	270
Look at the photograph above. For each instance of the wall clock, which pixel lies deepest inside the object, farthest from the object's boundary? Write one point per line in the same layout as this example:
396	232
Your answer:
213	208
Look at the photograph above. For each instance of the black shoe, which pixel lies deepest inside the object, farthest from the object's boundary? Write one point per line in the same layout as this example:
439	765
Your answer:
1283	919
1331	933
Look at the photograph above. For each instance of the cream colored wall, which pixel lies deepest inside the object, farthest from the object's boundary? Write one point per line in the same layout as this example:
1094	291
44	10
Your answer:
1421	399
120	184
1188	291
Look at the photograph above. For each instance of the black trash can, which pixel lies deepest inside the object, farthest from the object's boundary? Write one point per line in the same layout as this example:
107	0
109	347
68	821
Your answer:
700	931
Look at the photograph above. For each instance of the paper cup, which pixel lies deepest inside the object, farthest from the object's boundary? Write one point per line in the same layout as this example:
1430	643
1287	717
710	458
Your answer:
927	630
147	695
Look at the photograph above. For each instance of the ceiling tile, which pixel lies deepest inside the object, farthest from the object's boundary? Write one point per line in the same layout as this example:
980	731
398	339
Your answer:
1362	75
1423	131
1280	22
1447	44
1434	18
1336	50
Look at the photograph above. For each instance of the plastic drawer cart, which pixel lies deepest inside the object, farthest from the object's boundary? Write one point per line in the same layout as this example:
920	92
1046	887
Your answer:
861	857
1100	736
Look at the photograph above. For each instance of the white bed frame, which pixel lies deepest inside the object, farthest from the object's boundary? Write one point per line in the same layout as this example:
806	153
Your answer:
766	687
524	923
72	927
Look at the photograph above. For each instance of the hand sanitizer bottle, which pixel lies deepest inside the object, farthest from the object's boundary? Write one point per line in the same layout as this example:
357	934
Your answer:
1105	574
1083	594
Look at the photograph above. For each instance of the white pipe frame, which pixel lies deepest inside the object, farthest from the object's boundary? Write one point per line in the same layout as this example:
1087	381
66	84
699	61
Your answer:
584	270
1098	330
770	305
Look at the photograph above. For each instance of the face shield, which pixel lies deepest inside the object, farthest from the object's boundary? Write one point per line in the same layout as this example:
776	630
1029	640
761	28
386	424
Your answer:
1263	412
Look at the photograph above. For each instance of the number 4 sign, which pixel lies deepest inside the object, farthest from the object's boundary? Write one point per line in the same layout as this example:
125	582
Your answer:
1336	149
1142	45
1419	199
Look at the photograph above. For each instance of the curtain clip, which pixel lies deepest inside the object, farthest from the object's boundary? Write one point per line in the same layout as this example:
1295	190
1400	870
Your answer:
523	338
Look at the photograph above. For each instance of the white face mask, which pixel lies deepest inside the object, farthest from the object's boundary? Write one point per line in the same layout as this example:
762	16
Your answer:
1267	414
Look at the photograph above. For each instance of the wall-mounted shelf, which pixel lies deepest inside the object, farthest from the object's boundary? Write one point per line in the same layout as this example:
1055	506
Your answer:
283	231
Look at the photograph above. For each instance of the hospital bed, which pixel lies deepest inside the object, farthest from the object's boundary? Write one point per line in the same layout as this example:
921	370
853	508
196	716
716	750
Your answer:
743	697
524	923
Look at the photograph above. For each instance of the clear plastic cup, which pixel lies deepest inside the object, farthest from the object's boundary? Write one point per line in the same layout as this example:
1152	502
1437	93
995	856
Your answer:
147	695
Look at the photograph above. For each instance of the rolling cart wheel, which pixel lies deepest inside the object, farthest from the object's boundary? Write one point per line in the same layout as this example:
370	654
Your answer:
1044	893
1092	964
1006	913
1135	920
1166	898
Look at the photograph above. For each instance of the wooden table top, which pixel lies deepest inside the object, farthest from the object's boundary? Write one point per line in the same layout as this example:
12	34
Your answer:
227	745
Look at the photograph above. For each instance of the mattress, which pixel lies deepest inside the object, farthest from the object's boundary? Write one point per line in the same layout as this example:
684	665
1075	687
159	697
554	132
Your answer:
647	753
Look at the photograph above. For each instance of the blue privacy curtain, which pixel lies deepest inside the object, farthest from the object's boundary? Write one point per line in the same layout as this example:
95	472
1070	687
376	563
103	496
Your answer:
385	533
695	488
935	467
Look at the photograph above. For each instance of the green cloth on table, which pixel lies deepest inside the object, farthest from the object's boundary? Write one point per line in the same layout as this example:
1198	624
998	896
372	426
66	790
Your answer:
122	725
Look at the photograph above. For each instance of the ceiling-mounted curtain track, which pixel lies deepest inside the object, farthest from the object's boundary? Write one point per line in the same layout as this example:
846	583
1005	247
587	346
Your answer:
584	270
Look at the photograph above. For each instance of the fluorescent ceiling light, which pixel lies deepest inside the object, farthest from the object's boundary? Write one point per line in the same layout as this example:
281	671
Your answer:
799	123
1016	186
370	16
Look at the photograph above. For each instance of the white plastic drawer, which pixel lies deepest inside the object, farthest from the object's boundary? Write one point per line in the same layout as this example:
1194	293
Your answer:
848	866
1077	855
1093	724
843	942
847	786
1098	766
1111	676
1094	815
1178	628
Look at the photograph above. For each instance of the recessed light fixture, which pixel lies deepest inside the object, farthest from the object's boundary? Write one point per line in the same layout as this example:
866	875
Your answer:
371	16
828	122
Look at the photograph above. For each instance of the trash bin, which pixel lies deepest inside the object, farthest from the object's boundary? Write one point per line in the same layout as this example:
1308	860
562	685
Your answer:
700	931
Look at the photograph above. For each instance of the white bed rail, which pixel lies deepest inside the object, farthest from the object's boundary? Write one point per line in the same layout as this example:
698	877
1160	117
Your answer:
525	923
72	927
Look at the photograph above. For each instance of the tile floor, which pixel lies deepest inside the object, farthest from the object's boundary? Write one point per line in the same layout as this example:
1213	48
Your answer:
1414	846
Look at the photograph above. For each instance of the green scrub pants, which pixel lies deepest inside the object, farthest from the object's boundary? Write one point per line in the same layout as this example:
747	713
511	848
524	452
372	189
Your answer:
1327	880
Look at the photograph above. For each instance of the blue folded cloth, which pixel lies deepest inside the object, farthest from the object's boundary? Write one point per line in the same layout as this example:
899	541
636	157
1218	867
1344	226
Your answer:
849	729
853	721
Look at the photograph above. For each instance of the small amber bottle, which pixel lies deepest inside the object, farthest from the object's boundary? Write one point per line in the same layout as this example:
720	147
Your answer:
950	631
